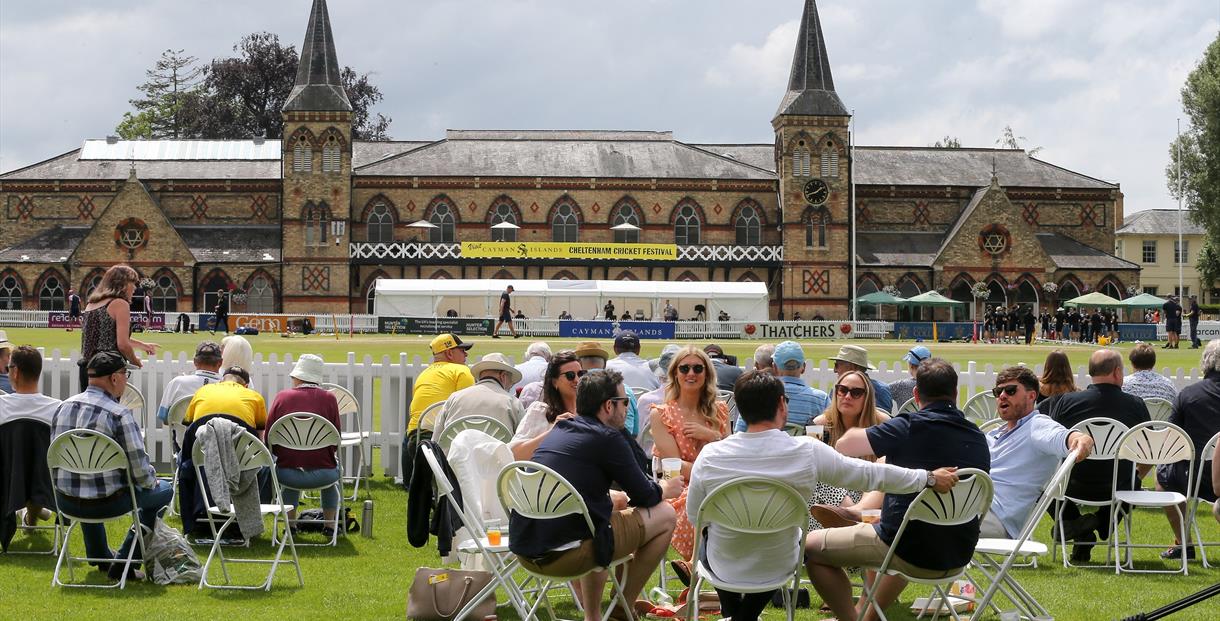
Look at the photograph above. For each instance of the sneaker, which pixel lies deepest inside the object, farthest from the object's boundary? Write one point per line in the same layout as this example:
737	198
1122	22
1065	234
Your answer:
115	571
495	336
1174	553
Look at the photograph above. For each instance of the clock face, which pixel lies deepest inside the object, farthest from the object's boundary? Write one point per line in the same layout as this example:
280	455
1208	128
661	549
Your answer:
816	191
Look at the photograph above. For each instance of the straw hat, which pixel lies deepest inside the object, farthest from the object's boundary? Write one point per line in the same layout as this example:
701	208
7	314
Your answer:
591	348
308	369
4	342
496	362
855	355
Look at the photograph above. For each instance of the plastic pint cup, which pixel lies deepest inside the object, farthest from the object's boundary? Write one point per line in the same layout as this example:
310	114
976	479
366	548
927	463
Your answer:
671	467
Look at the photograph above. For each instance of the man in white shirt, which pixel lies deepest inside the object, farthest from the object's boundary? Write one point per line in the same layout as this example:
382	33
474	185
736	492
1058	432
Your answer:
25	367
537	355
207	371
634	369
489	396
765	450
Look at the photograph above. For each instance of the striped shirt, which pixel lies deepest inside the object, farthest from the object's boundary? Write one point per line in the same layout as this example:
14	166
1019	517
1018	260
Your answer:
804	403
95	409
1148	383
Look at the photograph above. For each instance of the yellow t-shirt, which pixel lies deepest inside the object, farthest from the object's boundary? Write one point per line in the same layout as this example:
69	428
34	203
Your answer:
435	384
228	398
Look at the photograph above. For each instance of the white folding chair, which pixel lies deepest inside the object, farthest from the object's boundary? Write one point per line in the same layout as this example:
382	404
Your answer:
13	425
755	506
251	455
353	437
537	492
493	427
909	406
1158	408
1155	443
1205	457
994	558
1106	434
306	431
970	499
89	453
498	559
639	391
175	422
428	419
981	407
133	400
988	425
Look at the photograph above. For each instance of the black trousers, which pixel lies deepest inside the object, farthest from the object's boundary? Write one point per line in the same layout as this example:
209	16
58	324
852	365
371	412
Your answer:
739	606
1194	334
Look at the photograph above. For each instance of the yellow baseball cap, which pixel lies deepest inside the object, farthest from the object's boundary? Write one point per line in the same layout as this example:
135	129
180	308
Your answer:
445	342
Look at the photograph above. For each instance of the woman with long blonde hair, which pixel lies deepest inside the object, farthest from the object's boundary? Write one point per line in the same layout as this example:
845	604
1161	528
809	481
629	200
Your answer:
106	321
690	419
852	404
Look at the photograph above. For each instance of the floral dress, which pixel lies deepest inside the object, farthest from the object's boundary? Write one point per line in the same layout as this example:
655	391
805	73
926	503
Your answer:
684	534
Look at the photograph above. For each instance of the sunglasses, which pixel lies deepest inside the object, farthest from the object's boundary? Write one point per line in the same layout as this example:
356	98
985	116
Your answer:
785	397
572	375
697	369
622	400
1009	390
843	391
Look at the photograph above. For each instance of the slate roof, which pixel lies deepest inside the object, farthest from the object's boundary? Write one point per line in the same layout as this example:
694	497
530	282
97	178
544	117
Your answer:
1158	222
236	244
70	166
53	245
811	88
318	85
365	152
1070	254
564	154
757	155
964	167
904	248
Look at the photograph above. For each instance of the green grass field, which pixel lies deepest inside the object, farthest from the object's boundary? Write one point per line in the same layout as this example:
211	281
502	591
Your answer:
369	578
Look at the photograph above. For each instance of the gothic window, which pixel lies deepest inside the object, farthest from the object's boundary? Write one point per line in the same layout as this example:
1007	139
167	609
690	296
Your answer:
10	292
213	283
317	221
164	294
627	213
565	227
302	156
443	219
90	283
371	295
995	240
260	296
381	223
52	297
749	227
830	162
801	161
816	223
687	227
502	212
331	155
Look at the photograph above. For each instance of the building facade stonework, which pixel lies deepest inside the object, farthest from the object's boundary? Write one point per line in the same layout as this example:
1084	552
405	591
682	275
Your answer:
310	222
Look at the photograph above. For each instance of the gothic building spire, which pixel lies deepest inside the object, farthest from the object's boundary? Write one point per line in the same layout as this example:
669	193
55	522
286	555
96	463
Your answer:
811	89
318	86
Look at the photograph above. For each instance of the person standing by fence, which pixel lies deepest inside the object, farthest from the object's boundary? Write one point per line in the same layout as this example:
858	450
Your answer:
106	322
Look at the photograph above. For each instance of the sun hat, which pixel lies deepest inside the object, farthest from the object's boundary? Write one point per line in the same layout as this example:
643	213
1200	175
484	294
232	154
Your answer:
496	362
591	349
4	342
854	354
661	365
788	351
308	369
918	354
446	342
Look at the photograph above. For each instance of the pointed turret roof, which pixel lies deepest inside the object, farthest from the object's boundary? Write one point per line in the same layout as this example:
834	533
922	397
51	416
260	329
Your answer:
318	85
811	89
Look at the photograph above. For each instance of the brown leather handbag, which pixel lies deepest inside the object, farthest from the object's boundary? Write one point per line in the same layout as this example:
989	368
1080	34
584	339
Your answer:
438	594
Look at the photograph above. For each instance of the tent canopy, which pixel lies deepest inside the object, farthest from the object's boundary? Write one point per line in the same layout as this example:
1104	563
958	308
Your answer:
930	298
583	299
1144	300
879	297
1096	298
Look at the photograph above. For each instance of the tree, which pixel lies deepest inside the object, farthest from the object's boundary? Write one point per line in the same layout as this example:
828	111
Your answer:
1209	265
242	97
1010	140
948	142
1196	155
159	114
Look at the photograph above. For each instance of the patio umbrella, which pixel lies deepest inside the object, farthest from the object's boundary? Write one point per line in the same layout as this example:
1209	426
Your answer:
1143	300
505	225
879	297
422	224
931	298
1097	299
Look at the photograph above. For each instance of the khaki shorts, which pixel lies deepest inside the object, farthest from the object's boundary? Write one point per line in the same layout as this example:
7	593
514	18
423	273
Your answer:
628	529
861	546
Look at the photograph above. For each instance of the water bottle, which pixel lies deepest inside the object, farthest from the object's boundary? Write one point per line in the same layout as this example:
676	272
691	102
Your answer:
366	520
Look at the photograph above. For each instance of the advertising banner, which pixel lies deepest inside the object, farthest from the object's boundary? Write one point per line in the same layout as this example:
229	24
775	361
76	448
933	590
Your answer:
609	329
61	319
562	250
797	330
1207	331
1137	331
957	330
434	325
275	324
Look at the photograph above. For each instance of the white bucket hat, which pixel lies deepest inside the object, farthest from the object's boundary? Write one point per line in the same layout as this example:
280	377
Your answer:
496	362
4	342
309	369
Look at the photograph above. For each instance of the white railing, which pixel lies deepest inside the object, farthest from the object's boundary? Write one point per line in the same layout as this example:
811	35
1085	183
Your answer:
422	251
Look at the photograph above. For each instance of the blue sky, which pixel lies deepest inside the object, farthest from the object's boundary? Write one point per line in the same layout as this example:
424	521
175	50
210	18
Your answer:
1096	85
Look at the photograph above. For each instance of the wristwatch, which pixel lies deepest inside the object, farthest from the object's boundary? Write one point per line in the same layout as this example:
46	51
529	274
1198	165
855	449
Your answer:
931	482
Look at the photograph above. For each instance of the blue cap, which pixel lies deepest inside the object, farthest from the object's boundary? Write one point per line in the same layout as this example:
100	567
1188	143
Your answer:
788	351
918	354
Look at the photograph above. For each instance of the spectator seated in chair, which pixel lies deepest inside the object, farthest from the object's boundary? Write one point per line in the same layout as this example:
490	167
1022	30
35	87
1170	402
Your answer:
25	486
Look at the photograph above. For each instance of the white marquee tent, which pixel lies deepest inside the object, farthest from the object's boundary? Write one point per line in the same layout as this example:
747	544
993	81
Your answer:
584	299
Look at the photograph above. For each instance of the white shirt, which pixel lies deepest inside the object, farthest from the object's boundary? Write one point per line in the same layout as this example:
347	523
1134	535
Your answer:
531	393
37	406
183	386
635	370
531	370
1022	461
485	398
801	463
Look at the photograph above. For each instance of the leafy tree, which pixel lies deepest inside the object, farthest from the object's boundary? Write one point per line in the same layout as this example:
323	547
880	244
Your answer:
1209	264
1196	154
1010	140
948	142
159	114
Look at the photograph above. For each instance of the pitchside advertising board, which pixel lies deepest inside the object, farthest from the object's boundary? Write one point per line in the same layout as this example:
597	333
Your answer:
797	331
610	329
273	324
434	325
59	319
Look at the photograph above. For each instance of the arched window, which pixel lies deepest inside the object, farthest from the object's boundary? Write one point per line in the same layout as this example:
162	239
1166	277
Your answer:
626	275
331	155
687	226
260	295
564	275
626	212
830	162
816	224
502	212
996	294
445	221
381	223
302	155
10	292
164	294
749	227
52	296
370	296
801	160
565	226
863	288
317	221
1067	291
90	283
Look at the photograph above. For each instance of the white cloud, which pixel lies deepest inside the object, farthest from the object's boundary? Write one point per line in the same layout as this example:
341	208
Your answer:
766	65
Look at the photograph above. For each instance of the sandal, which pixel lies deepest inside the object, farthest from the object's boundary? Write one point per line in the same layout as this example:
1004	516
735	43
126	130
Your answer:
681	570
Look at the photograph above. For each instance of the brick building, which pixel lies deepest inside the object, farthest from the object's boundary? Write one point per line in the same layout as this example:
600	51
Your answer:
310	222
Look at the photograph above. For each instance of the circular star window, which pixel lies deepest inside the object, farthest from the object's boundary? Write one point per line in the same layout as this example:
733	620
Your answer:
131	234
994	240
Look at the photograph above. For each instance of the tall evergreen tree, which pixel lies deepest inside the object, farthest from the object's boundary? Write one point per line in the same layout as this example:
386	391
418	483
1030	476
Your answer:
172	81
